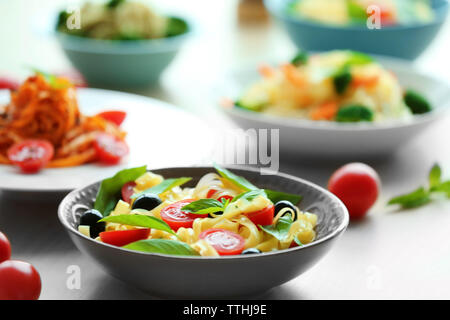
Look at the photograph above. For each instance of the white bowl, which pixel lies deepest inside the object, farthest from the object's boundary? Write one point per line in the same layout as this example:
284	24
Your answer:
306	138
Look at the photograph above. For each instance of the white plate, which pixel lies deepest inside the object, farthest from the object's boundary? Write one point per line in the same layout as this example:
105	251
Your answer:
159	135
306	138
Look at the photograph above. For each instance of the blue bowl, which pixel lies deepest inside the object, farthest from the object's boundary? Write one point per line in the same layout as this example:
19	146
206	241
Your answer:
121	64
403	41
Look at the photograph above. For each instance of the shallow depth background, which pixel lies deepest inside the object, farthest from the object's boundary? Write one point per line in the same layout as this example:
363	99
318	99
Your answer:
389	255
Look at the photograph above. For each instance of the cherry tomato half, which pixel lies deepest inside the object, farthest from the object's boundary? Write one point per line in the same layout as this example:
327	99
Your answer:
128	191
262	217
31	155
116	117
110	149
6	83
5	248
357	185
224	241
19	281
123	237
176	218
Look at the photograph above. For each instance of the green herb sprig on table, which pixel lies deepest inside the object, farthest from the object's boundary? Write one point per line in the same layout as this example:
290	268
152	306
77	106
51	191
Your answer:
424	195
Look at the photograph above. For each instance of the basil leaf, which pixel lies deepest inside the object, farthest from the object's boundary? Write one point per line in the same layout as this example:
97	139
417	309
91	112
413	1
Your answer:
139	220
416	102
435	176
172	247
51	79
109	193
443	187
114	3
356	12
276	196
241	182
281	229
203	206
358	58
354	113
414	199
164	186
342	79
300	59
249	195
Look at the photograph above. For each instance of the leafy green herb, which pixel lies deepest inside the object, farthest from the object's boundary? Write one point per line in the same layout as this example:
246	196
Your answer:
109	193
164	186
276	196
139	220
172	247
53	80
254	106
416	102
176	26
342	79
356	12
354	113
62	19
204	206
300	59
114	3
250	195
281	229
244	184
423	195
357	58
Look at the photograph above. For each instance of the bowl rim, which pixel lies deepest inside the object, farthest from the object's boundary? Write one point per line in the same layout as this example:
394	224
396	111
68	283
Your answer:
441	11
142	46
299	123
339	230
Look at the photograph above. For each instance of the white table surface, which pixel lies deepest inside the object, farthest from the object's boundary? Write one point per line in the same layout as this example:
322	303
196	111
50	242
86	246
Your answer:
389	255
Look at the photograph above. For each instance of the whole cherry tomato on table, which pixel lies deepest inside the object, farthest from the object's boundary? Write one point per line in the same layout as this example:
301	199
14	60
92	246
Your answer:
358	187
5	248
19	280
31	155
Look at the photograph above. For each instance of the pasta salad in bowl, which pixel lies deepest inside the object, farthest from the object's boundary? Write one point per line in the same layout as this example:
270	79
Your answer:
229	230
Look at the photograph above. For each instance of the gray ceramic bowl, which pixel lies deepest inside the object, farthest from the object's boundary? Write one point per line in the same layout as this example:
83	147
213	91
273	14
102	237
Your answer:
121	64
403	41
213	277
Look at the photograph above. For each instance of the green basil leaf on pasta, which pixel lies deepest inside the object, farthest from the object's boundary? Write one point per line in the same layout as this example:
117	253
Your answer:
281	229
164	186
276	196
139	220
241	182
109	193
172	247
298	242
249	195
204	206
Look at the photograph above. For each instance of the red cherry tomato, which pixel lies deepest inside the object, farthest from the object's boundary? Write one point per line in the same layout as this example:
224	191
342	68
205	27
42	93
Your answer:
176	218
211	193
128	191
5	248
31	155
357	185
262	217
110	149
19	281
224	241
225	197
123	237
6	83
115	117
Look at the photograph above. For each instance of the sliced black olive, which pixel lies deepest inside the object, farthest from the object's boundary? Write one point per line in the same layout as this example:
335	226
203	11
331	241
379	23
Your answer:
284	204
147	201
90	218
251	251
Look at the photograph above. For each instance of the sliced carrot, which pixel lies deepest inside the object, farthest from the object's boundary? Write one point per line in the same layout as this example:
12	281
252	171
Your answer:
266	71
367	82
292	75
326	111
